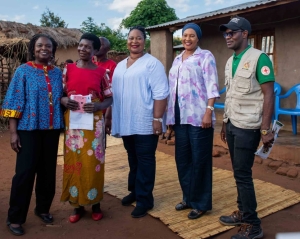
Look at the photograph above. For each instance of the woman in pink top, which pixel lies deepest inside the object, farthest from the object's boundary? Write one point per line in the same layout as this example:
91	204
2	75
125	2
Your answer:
193	81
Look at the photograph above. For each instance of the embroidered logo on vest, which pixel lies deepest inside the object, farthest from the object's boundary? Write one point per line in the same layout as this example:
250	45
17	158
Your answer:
246	66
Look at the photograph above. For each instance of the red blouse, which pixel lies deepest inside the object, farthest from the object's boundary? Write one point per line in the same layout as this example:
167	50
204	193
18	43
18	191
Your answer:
84	81
108	65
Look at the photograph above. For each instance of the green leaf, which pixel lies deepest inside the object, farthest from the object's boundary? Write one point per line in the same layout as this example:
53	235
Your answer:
148	13
49	19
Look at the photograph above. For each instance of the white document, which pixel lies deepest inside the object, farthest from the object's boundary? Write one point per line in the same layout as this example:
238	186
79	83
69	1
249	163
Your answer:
80	119
290	235
264	153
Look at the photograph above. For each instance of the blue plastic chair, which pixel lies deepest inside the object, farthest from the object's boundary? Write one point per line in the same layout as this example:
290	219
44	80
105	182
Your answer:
277	91
220	105
293	112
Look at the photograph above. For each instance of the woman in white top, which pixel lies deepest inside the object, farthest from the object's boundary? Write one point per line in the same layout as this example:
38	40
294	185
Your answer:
140	89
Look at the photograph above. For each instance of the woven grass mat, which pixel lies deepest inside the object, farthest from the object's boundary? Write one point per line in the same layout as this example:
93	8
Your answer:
167	193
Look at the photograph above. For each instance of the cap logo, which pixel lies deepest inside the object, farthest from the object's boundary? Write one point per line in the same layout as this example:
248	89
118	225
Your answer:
235	20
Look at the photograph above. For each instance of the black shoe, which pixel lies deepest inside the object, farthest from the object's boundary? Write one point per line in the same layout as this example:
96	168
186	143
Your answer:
181	206
235	219
195	213
17	231
139	212
128	200
46	218
248	231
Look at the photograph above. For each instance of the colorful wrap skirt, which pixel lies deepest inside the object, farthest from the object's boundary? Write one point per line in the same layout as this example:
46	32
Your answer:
84	156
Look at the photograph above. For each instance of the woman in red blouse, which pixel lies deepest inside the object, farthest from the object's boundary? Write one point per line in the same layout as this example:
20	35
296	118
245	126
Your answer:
84	154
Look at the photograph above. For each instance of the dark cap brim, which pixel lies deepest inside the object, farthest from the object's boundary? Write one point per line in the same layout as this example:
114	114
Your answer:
224	27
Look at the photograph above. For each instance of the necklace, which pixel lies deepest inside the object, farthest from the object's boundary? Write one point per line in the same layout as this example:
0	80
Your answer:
134	59
41	66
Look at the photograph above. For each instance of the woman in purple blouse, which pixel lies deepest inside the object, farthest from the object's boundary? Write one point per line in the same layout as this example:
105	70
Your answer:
193	83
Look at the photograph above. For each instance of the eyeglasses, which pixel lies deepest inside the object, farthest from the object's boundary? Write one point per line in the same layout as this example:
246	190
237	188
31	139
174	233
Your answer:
230	34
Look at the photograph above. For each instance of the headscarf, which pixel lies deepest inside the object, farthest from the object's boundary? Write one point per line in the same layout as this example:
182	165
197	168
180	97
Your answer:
195	27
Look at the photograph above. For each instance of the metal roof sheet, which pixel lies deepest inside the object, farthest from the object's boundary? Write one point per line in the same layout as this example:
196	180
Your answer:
214	13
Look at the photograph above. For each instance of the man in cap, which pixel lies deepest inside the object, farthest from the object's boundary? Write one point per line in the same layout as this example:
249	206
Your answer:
249	103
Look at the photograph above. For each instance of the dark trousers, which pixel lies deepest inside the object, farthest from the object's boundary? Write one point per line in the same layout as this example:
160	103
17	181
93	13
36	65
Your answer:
193	155
37	157
242	144
141	158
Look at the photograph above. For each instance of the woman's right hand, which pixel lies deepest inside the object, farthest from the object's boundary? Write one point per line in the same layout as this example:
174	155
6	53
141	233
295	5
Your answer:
15	142
69	104
223	133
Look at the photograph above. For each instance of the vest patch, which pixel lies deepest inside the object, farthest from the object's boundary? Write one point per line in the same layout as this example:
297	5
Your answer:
265	70
246	66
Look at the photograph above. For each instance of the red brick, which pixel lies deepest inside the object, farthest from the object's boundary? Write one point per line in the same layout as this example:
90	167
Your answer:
267	161
216	153
171	142
275	164
292	173
163	141
258	160
282	171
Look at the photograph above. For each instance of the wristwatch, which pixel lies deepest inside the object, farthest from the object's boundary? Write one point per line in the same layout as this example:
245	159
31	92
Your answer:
210	107
265	131
158	119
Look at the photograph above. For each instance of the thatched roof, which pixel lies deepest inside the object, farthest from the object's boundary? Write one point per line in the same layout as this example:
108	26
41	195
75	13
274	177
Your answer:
13	31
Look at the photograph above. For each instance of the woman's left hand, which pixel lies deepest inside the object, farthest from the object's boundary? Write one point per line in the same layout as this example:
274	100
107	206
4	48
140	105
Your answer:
157	127
207	121
89	107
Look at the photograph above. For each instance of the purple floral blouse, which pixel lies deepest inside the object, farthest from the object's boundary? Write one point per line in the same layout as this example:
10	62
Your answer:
197	80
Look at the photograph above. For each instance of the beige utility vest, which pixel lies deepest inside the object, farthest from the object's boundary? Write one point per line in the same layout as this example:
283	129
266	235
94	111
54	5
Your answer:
244	97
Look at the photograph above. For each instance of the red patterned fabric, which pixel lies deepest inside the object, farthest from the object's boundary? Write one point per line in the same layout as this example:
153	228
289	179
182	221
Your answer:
87	81
110	65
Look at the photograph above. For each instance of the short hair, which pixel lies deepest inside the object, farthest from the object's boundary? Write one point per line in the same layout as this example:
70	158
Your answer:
69	61
140	28
92	37
31	56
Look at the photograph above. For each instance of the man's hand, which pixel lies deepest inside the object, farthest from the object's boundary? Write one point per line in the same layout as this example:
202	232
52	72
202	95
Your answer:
268	140
223	133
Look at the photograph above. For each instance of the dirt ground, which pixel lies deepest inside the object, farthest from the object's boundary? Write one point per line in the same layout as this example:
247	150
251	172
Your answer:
117	222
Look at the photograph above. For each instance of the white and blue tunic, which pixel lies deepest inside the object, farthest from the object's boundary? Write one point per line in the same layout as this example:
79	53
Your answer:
134	90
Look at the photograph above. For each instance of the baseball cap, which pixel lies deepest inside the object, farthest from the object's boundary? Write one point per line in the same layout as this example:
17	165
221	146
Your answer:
237	23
